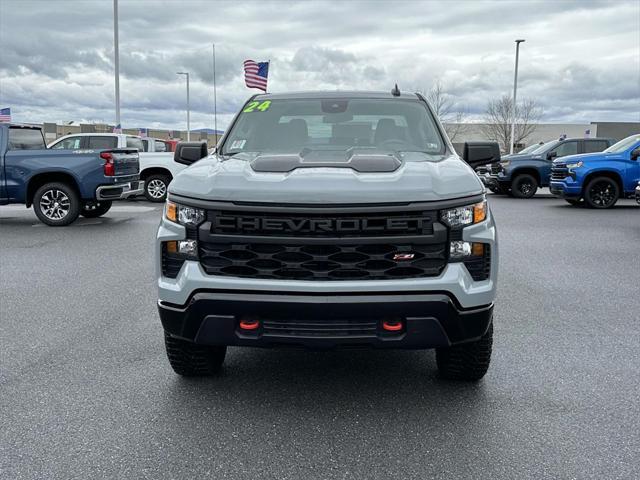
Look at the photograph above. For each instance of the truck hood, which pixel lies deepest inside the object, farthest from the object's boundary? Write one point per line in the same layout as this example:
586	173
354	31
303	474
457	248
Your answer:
420	177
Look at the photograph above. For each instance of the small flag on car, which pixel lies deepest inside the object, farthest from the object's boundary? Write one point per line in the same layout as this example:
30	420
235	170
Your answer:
587	133
117	129
255	74
5	115
143	132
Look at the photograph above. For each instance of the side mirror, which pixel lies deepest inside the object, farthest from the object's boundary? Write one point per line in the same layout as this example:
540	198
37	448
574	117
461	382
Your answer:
481	153
552	155
190	152
635	153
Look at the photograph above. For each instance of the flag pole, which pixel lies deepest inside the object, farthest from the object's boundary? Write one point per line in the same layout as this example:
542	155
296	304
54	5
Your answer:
116	62
215	106
268	72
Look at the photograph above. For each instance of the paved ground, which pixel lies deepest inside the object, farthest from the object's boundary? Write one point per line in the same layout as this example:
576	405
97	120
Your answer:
86	391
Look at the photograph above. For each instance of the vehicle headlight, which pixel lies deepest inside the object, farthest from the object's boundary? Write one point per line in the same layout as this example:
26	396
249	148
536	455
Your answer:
462	216
505	163
572	166
183	214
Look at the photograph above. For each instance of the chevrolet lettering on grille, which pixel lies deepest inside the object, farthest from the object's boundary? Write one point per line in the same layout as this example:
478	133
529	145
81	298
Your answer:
229	224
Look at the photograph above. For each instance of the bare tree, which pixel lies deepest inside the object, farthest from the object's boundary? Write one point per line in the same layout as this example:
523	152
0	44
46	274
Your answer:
497	126
442	103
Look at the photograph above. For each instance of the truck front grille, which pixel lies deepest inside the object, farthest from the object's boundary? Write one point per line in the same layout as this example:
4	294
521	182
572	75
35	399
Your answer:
300	261
559	171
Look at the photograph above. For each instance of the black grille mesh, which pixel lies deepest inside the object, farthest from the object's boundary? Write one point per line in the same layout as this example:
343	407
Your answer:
321	262
559	171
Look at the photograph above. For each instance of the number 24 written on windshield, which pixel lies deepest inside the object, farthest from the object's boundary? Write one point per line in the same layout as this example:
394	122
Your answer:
260	106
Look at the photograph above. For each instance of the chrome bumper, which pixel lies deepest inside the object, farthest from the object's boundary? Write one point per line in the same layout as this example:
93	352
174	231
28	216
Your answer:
119	191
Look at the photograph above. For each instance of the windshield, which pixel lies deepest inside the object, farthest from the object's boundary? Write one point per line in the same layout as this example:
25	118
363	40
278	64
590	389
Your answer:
290	125
529	149
623	144
544	147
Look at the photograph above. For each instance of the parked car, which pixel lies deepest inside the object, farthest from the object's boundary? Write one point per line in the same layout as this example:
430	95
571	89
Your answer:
599	179
369	232
522	175
157	168
62	184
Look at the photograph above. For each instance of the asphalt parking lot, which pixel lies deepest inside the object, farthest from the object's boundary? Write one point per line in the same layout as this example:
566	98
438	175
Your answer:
86	390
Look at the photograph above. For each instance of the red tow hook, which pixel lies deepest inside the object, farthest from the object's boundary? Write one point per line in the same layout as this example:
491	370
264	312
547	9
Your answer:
392	325
249	324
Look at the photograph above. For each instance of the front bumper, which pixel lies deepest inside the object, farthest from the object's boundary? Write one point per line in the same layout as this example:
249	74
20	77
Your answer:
489	180
567	188
118	191
429	320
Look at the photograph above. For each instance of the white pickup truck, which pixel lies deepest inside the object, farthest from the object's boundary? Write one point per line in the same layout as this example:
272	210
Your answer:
157	168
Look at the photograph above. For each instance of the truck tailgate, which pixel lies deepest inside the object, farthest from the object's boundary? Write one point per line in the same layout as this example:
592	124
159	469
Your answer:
126	161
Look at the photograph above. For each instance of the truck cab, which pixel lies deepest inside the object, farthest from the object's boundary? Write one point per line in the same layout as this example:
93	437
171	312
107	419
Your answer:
522	175
599	179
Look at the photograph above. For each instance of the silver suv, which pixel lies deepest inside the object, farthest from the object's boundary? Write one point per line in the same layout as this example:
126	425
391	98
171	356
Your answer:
329	219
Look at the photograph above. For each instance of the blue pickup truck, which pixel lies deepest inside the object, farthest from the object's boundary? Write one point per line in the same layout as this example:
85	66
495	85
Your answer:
599	179
62	184
522	175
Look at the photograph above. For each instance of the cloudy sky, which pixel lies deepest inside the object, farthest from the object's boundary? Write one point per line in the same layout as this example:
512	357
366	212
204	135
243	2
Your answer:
581	59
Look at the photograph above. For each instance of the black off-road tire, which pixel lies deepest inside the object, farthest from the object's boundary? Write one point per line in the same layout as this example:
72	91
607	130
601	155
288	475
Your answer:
155	187
601	192
524	186
68	200
191	360
467	361
94	208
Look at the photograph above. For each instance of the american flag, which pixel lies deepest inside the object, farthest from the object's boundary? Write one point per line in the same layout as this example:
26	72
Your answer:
255	74
143	132
117	129
5	115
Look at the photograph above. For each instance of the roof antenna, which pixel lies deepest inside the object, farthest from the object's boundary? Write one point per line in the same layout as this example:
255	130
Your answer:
395	91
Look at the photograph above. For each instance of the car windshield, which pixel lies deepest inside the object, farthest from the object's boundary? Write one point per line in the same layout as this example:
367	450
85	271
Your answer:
544	147
291	125
529	149
623	144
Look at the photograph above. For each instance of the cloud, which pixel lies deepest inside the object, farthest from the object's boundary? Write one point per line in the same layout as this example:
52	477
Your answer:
580	61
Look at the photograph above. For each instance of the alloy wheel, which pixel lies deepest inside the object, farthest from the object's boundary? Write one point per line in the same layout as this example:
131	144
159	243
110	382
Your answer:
602	194
157	188
525	188
55	204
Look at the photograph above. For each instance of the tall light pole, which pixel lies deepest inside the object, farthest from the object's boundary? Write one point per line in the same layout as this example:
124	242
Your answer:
513	106
186	74
116	61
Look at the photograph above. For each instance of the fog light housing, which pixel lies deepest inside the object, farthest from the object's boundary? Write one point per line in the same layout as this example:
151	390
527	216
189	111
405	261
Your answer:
188	248
459	250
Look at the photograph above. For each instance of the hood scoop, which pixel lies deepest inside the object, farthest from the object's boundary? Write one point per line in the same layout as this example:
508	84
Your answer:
360	160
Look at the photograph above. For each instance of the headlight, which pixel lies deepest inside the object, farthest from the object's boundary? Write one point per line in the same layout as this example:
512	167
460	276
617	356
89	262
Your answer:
467	215
184	215
571	166
505	163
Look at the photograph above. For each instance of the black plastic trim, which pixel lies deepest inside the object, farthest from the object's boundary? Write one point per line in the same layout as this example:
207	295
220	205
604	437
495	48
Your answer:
323	208
430	320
